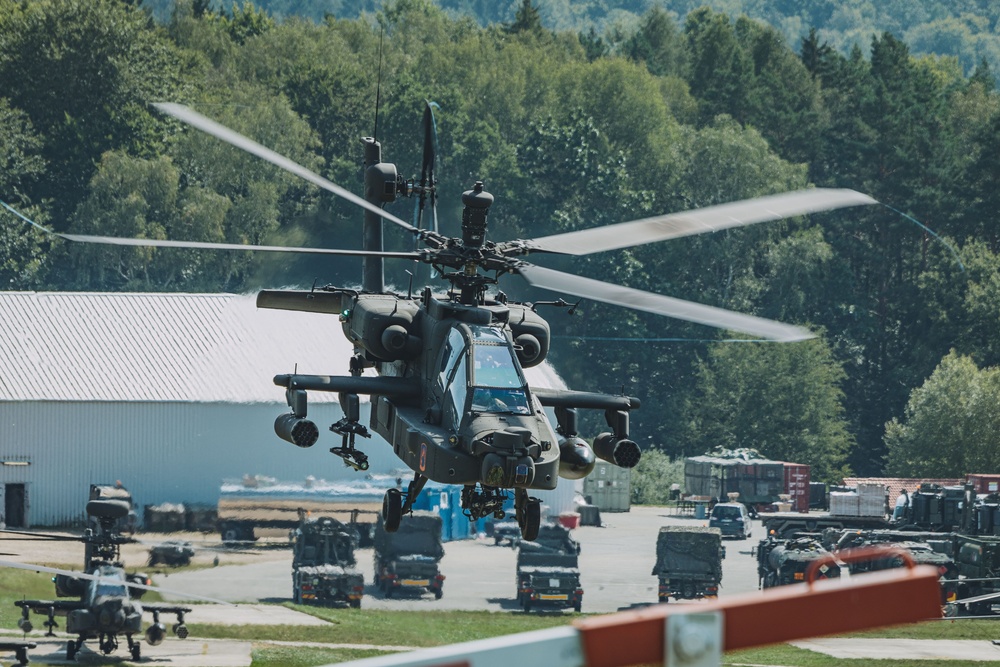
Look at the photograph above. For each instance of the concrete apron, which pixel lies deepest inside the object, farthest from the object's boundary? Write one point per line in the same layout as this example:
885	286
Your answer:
903	649
175	652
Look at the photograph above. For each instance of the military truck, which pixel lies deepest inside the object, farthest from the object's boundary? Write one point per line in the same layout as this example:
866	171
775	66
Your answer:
548	570
689	562
924	547
324	569
784	561
174	553
409	559
978	561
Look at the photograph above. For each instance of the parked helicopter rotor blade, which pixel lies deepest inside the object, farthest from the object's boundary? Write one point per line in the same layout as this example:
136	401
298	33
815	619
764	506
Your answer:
427	170
658	304
697	221
206	245
428	177
45	536
97	577
219	131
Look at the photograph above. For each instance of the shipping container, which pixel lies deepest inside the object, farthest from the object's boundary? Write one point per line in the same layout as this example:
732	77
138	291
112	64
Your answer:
984	484
757	481
797	485
609	488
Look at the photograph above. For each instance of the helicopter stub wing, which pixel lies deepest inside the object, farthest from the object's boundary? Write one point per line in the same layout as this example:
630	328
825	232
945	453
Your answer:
382	386
698	221
310	301
58	607
567	398
219	131
164	608
659	304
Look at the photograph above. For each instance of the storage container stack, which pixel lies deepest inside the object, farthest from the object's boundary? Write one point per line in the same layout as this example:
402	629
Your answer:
871	500
844	503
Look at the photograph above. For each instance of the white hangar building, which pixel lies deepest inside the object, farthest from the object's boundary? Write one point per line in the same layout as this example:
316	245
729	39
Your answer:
168	393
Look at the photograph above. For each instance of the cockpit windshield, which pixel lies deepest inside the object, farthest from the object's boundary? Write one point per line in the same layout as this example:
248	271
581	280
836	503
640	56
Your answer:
498	385
110	589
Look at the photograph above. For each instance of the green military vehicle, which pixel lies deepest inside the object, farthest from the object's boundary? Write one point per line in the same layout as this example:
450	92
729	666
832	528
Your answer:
978	561
548	570
324	569
409	558
784	561
689	562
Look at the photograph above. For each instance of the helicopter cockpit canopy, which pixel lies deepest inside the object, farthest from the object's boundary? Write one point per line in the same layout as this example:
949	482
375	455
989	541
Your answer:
111	584
496	379
484	365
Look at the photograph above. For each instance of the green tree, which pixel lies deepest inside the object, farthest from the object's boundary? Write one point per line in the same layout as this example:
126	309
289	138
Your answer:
652	478
950	425
84	71
659	44
784	400
21	167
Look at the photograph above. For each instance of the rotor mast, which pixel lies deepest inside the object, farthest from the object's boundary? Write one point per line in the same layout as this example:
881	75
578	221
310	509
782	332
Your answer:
474	218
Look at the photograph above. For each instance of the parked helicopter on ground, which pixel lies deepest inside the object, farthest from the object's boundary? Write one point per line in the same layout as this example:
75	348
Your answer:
108	604
451	396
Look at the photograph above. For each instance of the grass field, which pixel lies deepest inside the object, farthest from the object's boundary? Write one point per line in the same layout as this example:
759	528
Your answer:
436	628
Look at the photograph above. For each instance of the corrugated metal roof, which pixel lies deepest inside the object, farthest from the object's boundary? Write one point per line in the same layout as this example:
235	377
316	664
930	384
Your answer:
202	348
63	346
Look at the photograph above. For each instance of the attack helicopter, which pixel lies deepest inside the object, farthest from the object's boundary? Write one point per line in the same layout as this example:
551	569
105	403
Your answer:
450	394
108	604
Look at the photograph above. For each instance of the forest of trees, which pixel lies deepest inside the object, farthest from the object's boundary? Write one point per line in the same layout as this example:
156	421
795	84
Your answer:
568	129
964	29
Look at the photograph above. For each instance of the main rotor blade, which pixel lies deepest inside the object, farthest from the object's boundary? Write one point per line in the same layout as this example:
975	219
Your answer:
97	577
204	245
697	221
219	131
159	243
658	304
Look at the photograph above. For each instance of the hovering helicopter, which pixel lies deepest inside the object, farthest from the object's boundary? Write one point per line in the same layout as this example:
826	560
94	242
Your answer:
451	395
108	604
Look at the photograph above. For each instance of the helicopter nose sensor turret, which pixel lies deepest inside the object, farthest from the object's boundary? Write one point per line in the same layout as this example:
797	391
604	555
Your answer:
477	207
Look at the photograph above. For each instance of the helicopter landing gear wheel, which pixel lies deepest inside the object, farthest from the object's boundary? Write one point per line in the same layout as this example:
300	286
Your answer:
392	510
70	649
529	514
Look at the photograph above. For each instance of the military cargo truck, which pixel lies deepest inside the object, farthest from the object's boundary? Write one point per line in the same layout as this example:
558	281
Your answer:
781	562
978	561
324	568
409	559
924	547
689	562
548	570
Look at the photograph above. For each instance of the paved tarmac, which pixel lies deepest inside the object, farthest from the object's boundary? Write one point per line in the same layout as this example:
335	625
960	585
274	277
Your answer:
904	649
189	652
616	563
